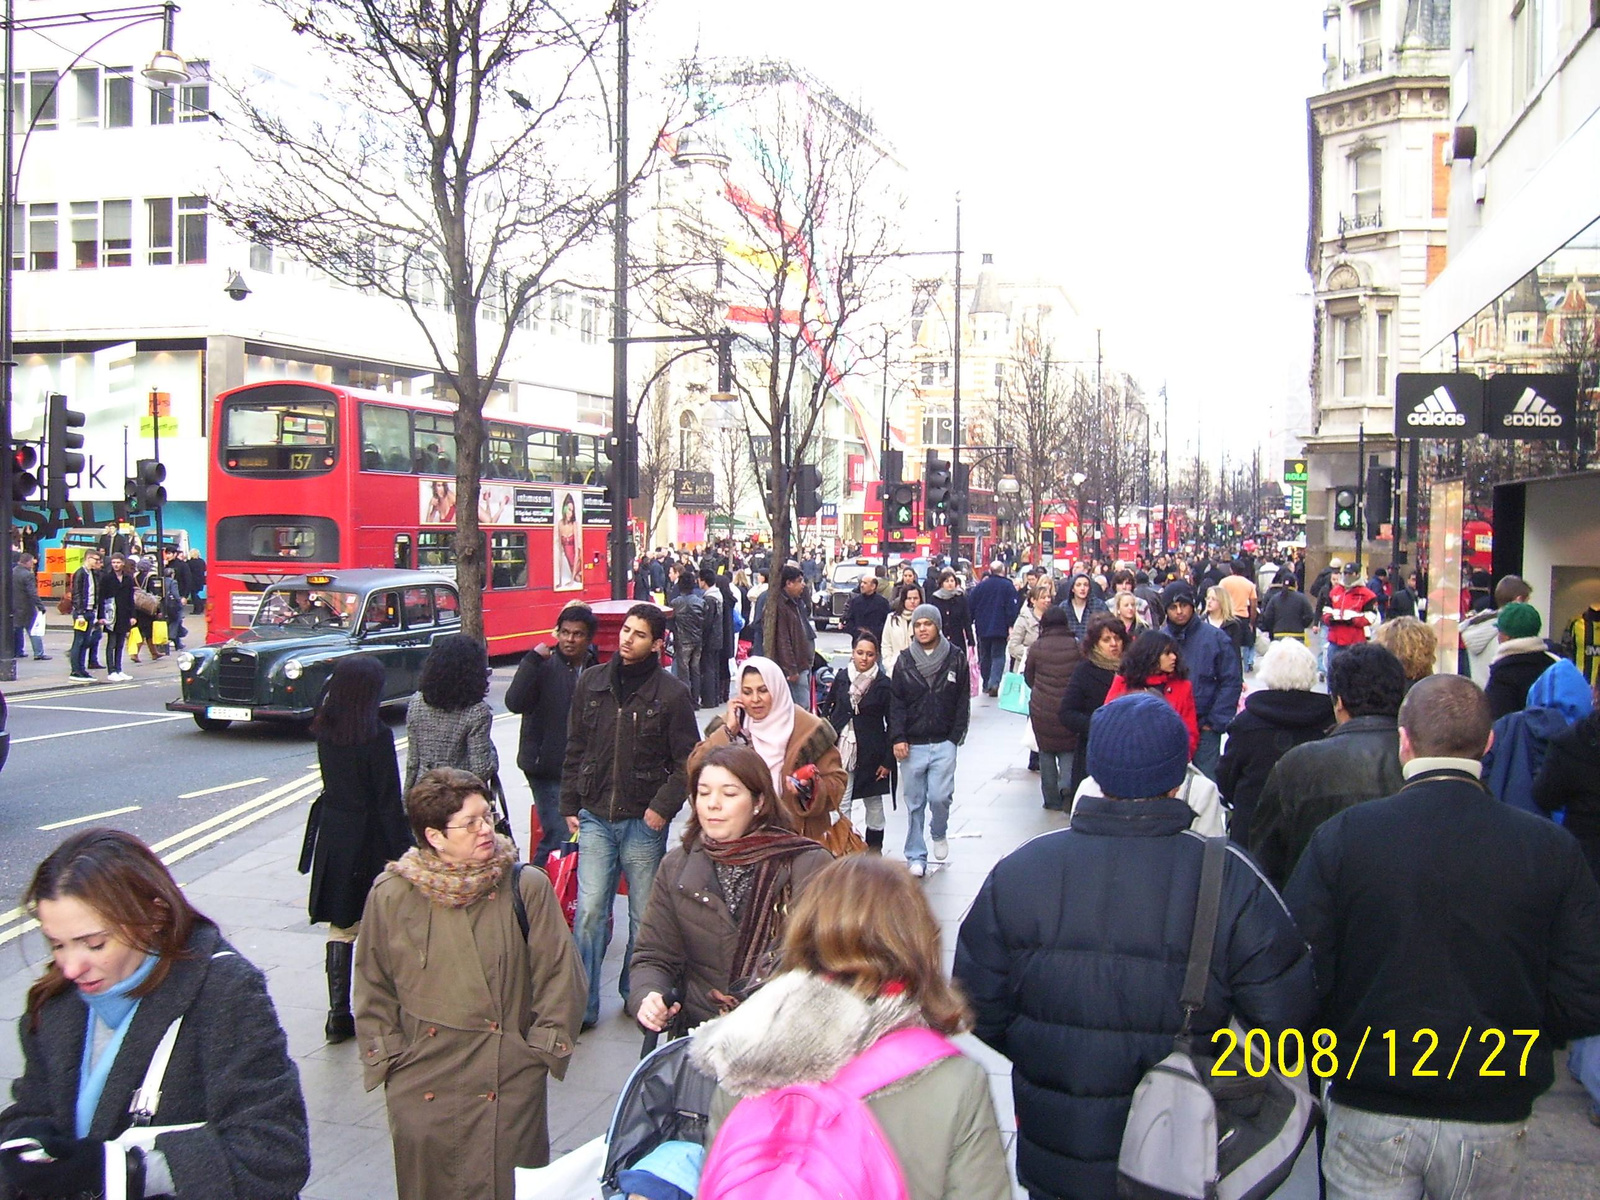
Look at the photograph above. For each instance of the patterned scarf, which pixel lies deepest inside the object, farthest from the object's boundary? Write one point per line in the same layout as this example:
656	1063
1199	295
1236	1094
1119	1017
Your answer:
860	681
763	914
454	885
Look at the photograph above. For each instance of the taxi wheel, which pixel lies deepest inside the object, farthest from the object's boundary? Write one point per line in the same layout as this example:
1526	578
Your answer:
209	724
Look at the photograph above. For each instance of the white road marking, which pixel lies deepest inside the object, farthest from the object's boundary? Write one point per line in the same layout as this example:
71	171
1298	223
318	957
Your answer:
76	690
265	798
114	812
221	787
110	712
217	835
45	737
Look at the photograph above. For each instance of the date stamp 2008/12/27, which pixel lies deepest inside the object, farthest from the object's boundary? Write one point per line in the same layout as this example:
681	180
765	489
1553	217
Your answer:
1485	1053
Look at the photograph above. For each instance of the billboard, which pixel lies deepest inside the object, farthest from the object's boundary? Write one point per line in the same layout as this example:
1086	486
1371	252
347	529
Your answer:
1438	405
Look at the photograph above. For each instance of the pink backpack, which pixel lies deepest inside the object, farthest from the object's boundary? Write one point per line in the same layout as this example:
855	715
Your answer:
812	1141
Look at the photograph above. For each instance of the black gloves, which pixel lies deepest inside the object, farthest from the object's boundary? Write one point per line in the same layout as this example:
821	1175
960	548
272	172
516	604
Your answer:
76	1166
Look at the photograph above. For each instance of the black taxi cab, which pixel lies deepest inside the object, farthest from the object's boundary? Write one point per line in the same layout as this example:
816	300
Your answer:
275	670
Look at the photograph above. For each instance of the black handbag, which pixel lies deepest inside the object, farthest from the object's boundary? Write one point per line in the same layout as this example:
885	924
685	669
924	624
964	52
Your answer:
309	844
501	811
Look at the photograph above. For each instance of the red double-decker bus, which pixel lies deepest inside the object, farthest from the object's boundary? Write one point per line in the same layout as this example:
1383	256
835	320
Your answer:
311	477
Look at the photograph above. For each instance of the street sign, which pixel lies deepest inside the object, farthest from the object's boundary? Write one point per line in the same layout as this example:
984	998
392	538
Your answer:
693	489
1438	405
1531	407
1297	501
1294	471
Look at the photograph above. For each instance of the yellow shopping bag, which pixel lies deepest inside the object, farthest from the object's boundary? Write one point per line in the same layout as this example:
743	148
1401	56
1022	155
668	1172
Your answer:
158	633
134	642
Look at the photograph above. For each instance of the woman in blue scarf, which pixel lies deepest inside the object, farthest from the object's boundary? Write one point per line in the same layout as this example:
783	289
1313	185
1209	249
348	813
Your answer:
131	958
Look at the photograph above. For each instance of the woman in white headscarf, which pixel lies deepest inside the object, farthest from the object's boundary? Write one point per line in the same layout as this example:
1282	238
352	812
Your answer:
799	749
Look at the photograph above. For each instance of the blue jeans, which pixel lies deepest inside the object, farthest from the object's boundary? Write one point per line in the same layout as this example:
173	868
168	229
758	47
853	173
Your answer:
927	780
607	849
800	689
1207	753
547	800
1055	775
992	660
1374	1156
82	649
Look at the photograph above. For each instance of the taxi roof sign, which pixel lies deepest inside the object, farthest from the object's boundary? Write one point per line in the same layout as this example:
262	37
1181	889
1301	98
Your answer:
319	580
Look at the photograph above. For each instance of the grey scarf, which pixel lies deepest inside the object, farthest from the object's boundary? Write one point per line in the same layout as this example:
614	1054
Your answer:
930	662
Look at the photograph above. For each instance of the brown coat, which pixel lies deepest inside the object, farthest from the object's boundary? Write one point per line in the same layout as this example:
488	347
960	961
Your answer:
688	938
461	1025
792	649
813	741
1051	661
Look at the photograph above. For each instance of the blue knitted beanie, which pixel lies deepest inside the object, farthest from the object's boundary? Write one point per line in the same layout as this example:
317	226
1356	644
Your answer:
1138	747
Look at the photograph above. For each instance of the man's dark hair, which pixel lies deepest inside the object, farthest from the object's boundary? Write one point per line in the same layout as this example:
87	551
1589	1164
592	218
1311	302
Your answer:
1446	716
1122	576
687	583
1369	681
651	616
1511	589
578	614
1141	578
1055	617
708	577
788	575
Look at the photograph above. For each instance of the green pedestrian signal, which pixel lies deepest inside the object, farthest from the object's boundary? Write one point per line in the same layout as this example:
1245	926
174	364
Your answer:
1344	509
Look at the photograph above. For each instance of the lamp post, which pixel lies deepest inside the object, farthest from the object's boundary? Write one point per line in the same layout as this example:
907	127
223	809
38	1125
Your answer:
166	68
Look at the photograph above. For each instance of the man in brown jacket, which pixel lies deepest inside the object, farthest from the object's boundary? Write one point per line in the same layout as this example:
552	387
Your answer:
794	642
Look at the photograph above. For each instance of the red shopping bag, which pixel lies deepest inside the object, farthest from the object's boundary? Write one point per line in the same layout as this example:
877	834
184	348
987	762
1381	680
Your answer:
562	867
974	676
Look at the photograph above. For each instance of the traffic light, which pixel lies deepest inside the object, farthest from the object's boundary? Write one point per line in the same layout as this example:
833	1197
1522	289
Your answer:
1380	496
807	490
130	494
901	507
960	503
63	443
148	477
623	472
936	490
1344	509
24	483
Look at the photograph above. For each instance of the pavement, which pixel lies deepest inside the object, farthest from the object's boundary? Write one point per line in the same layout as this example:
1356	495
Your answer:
35	676
249	885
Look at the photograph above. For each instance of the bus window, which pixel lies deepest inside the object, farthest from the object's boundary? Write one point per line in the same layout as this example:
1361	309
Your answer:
584	466
279	431
448	605
435	550
544	455
272	537
417	603
402	552
508	552
385	438
505	453
435	443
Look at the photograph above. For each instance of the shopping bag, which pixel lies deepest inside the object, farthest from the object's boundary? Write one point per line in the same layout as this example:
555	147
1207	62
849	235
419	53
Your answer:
158	633
974	676
573	1176
135	640
562	867
1015	693
842	838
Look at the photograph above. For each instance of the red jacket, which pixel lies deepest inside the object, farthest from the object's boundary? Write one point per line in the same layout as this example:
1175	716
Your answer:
1176	692
1348	614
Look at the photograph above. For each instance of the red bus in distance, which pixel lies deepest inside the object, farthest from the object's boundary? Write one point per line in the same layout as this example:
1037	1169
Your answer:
311	477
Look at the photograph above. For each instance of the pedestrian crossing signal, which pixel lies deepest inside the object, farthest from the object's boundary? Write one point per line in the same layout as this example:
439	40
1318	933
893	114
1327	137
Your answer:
902	506
1344	510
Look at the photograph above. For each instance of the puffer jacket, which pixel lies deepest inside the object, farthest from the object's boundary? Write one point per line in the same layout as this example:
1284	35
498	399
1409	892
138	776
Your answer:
1214	670
1358	761
1073	957
1558	699
1569	781
688	937
1272	723
920	714
1051	663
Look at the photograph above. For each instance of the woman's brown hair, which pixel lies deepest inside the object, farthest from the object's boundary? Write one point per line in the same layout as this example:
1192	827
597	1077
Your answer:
750	769
119	877
437	796
865	923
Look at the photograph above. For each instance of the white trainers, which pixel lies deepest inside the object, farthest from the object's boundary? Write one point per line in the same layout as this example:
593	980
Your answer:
917	868
941	849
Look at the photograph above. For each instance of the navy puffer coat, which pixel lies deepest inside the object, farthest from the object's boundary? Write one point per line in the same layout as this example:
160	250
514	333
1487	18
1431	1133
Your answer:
1073	956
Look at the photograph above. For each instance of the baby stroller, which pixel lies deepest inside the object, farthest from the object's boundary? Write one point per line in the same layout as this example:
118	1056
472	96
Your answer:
665	1099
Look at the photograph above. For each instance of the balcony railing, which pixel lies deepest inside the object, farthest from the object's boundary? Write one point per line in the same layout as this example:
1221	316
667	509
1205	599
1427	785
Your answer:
1370	220
1364	63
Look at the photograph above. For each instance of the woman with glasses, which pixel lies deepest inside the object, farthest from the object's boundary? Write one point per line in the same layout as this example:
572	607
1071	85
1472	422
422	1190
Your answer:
468	997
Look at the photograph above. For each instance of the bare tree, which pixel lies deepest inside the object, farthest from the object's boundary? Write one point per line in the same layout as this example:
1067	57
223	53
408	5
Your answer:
1033	415
657	424
728	457
457	158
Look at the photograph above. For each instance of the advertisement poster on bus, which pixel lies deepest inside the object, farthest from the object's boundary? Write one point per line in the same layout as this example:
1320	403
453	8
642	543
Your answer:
438	502
568	541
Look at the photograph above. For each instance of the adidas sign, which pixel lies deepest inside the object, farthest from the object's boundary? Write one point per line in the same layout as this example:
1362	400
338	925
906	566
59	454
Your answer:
1533	411
1437	409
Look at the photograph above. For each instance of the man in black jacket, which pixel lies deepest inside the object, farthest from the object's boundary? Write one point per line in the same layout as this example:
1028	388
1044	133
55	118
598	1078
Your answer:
1461	938
868	609
1519	659
930	703
1073	953
624	778
1359	760
714	650
542	692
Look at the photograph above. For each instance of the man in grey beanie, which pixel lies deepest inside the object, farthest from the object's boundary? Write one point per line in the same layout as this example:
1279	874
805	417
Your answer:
1072	955
929	706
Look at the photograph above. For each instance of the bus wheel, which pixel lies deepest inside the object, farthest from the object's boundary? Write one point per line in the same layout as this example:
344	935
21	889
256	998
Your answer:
209	724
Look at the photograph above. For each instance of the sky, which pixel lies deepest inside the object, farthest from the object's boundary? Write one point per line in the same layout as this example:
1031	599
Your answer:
1145	154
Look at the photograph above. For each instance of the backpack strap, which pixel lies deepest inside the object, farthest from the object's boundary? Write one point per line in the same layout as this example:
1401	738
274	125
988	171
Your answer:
147	1098
892	1057
1207	905
518	904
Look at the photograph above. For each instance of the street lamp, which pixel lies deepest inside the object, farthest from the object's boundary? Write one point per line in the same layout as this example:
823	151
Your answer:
166	68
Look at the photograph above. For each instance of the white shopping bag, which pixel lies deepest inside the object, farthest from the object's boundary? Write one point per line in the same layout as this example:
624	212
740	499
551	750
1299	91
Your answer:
573	1176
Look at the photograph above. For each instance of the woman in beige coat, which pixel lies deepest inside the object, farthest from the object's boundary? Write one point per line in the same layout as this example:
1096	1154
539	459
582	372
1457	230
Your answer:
459	1016
801	750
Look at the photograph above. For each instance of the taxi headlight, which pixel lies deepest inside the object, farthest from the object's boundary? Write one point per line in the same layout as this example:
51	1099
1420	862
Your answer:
185	661
293	669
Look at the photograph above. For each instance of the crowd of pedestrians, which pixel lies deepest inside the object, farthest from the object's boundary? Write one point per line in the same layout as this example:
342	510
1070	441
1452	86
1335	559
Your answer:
113	595
1384	861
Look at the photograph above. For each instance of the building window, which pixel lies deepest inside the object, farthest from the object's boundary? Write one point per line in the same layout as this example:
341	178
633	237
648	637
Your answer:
86	86
119	98
192	229
1526	48
42	234
944	372
194	97
163	102
561	305
938	430
44	98
927	374
1347	354
260	258
1369	36
85	234
186	238
1381	336
159	213
590	320
1366	183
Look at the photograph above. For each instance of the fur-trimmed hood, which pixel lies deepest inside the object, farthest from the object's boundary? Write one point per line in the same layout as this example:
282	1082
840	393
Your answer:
800	1028
1525	645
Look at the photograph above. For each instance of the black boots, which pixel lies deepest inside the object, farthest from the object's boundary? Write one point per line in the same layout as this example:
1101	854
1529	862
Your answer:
874	841
341	1025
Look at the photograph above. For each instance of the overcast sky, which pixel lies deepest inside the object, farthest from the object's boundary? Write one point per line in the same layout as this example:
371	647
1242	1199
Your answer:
1148	155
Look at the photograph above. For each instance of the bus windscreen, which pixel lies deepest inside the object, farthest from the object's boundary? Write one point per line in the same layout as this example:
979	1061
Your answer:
282	431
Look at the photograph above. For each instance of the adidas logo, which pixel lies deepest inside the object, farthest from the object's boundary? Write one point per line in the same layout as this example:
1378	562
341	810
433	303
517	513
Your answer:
1437	409
1533	410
